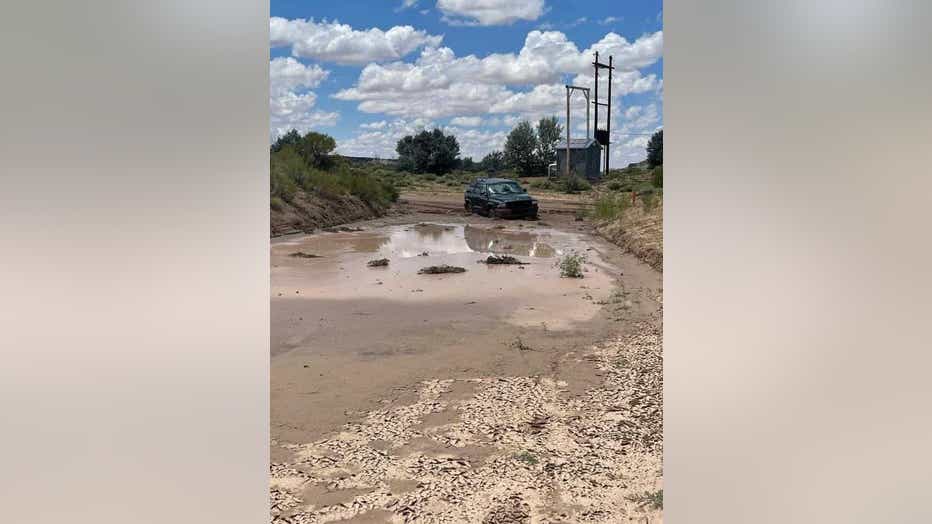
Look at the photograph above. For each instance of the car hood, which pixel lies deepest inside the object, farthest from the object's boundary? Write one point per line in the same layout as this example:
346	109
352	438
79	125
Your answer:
520	197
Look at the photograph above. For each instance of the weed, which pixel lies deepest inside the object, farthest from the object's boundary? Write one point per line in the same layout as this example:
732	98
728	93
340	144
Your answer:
575	184
527	457
571	265
647	201
654	499
610	206
656	177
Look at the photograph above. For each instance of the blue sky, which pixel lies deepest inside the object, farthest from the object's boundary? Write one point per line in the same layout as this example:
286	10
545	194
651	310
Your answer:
369	72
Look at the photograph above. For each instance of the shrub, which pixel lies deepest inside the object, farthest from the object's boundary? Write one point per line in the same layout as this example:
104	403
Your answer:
656	176
276	203
575	184
647	201
610	206
571	265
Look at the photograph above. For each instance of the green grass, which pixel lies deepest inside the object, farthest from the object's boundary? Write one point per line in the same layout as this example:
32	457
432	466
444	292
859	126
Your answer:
610	206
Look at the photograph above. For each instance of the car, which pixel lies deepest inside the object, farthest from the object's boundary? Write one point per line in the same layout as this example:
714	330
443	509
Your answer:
501	197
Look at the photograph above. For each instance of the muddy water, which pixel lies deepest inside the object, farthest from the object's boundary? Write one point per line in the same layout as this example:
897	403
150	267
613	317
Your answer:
347	337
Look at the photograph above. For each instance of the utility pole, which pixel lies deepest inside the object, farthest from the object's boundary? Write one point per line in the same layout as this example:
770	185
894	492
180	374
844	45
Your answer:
603	137
585	91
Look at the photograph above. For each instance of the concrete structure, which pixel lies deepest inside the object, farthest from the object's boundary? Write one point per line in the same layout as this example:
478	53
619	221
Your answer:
585	158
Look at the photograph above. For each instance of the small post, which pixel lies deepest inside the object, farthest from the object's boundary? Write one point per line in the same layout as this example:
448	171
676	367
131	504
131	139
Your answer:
587	114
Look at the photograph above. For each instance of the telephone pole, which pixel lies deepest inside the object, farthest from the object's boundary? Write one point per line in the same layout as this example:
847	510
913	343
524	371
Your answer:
602	135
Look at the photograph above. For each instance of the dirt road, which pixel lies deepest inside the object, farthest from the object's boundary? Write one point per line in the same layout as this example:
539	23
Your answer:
501	394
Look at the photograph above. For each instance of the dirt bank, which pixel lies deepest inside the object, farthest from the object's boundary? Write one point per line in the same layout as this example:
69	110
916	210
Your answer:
639	231
310	212
501	394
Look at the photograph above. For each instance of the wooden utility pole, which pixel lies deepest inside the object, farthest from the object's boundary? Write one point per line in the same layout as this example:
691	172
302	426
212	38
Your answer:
603	137
585	91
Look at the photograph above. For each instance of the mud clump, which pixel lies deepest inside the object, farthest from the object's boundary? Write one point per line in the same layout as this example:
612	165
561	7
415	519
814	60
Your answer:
504	260
302	254
379	262
437	270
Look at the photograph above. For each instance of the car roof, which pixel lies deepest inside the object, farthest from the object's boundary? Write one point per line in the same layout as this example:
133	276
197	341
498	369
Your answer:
495	180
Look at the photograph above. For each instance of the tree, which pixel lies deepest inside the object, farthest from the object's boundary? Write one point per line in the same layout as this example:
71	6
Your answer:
468	164
521	150
428	152
655	149
492	162
548	134
315	149
290	138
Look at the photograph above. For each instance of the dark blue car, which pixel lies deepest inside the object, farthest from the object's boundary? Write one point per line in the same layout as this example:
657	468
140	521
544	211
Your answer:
500	197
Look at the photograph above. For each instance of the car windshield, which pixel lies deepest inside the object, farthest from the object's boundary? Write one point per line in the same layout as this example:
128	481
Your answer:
505	188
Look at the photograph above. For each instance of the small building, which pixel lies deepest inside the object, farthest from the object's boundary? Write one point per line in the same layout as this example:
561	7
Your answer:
585	158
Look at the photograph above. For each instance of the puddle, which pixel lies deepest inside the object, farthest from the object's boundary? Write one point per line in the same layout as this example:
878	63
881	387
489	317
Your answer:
344	333
414	240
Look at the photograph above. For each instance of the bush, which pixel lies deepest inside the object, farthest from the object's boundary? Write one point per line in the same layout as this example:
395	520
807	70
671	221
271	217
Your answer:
656	177
571	265
647	201
610	206
276	203
289	173
575	184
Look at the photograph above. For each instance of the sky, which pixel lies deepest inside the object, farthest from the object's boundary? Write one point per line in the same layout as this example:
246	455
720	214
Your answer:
370	72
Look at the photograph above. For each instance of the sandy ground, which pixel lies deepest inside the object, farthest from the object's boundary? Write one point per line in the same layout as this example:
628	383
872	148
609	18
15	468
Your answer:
502	394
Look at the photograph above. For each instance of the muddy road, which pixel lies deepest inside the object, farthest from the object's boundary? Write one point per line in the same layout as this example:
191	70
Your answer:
352	342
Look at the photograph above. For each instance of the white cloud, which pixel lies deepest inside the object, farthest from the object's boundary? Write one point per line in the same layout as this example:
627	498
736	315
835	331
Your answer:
289	107
375	125
381	142
287	74
489	12
609	20
340	43
477	143
466	121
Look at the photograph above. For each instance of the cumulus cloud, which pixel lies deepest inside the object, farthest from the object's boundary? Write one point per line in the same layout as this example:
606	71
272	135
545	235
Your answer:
291	106
340	43
287	74
489	12
466	121
380	141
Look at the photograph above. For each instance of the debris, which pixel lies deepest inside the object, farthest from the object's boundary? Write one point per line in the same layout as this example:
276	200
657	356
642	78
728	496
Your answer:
302	254
424	254
343	229
503	259
379	262
436	270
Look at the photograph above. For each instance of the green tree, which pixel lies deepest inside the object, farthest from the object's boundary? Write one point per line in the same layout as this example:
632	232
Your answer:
655	149
548	134
521	150
315	149
492	162
428	152
468	164
290	138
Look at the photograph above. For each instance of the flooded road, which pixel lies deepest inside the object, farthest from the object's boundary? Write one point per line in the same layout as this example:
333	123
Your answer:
346	337
383	379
